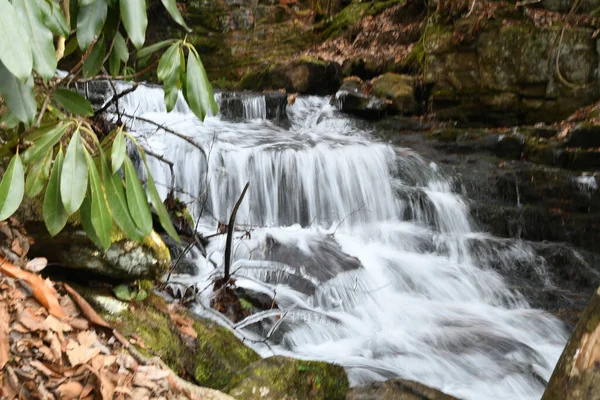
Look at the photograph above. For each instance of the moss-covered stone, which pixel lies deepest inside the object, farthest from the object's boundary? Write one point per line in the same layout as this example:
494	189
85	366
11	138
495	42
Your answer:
279	377
399	89
397	389
219	356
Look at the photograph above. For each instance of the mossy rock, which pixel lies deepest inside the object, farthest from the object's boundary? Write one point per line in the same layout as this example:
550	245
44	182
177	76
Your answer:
278	377
124	260
397	389
213	359
219	356
400	89
356	10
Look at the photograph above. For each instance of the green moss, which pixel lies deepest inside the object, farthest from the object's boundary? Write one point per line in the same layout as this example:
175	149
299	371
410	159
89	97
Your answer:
354	12
312	60
415	61
219	355
295	379
155	331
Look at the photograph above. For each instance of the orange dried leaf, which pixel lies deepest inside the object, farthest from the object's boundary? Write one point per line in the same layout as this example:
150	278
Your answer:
42	293
70	390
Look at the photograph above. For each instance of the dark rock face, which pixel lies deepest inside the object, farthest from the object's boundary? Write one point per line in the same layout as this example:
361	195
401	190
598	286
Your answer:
305	75
396	389
399	90
235	106
504	75
351	99
584	135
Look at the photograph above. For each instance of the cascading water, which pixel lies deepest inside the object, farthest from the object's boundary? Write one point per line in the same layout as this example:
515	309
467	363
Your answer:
370	256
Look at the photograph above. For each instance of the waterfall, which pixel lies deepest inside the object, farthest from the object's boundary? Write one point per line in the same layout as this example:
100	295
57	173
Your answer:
371	256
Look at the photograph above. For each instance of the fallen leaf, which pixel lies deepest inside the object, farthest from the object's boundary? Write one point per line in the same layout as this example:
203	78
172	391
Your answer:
4	332
16	247
29	321
54	324
78	354
86	309
43	369
42	293
36	265
87	338
107	388
70	391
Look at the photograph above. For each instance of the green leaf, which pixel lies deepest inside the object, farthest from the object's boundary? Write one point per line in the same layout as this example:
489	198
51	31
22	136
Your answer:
123	293
135	20
40	37
169	63
71	46
15	50
159	206
38	175
92	65
148	50
136	199
85	212
90	20
114	64
55	215
9	120
171	95
199	93
120	48
18	96
141	295
44	143
171	6
115	194
73	102
74	177
54	18
119	151
12	188
101	218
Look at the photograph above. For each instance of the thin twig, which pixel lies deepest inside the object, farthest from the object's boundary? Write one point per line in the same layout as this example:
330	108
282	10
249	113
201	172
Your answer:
230	233
116	98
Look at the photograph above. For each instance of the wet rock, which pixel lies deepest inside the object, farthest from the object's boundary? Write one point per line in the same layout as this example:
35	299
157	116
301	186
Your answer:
352	99
124	260
325	251
305	75
584	135
508	144
399	89
577	375
280	377
396	389
545	132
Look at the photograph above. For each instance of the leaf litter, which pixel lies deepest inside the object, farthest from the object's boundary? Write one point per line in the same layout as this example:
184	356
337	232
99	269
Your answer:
54	345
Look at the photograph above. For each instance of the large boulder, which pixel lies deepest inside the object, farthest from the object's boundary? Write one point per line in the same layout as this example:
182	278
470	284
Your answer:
507	75
280	377
304	75
584	135
396	389
577	374
399	89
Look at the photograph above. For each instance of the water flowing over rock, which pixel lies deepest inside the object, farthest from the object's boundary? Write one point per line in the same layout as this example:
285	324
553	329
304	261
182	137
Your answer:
411	297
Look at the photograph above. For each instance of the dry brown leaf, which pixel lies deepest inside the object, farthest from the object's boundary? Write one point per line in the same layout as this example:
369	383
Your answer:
79	324
40	366
188	330
107	388
88	389
42	293
87	338
86	309
70	391
4	332
78	354
56	347
54	324
29	321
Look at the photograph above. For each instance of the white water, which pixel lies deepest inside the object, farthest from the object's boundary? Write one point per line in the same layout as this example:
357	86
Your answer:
423	305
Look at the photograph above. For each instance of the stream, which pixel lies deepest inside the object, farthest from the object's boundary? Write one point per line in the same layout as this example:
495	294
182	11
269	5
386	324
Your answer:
370	255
